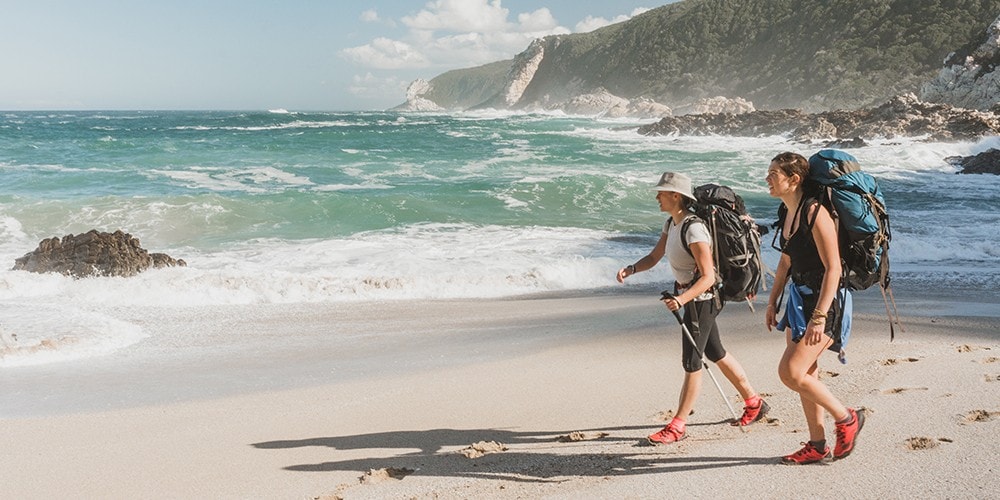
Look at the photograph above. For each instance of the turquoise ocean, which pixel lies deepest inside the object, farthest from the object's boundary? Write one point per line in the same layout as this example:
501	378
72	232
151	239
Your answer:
279	207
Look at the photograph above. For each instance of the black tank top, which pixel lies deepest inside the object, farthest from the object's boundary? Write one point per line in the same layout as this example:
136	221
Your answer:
807	267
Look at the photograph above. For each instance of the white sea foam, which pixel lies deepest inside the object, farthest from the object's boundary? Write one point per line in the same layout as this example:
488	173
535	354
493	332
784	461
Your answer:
351	187
254	180
32	334
421	261
303	124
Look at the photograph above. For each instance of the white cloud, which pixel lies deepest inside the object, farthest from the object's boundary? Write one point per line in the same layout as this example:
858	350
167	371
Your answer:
455	33
383	53
372	16
591	23
459	15
462	33
539	20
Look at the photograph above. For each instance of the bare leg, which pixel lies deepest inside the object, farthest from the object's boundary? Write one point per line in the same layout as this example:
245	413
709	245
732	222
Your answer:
798	371
689	394
813	411
733	371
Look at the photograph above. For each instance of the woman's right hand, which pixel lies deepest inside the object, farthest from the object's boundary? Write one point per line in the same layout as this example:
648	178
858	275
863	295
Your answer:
625	272
770	320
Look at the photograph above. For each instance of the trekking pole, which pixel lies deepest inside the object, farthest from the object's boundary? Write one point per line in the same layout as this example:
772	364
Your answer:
667	295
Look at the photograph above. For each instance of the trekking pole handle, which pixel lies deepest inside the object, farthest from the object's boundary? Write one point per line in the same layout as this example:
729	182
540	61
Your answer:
667	295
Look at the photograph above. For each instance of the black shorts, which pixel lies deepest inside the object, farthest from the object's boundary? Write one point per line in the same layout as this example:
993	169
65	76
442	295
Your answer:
699	317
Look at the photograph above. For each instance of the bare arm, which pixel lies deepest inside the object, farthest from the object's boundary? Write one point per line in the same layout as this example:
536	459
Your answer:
824	232
780	279
651	259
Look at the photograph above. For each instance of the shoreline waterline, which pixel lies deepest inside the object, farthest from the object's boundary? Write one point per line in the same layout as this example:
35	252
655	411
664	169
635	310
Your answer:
209	352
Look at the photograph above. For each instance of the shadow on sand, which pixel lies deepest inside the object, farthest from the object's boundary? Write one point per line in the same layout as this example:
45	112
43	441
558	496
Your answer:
530	457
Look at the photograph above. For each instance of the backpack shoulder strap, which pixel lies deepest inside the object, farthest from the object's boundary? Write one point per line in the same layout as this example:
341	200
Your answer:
806	204
685	225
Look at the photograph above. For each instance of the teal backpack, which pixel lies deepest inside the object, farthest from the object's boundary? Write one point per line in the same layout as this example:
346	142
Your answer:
857	205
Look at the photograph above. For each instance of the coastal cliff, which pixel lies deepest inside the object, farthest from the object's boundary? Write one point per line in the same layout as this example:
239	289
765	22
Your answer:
716	56
970	78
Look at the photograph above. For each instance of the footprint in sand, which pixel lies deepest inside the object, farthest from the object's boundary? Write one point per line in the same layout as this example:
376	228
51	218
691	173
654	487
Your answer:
899	390
668	415
991	359
970	348
482	448
581	436
375	476
981	416
894	361
828	373
924	443
992	378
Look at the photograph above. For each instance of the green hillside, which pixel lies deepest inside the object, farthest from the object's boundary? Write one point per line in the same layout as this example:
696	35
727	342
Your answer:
810	54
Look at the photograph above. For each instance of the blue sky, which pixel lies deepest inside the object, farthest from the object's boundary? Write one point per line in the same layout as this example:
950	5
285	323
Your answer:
316	55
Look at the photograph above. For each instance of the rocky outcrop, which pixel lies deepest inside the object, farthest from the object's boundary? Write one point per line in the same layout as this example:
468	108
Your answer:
856	142
987	162
644	107
522	72
600	102
93	254
902	116
605	104
716	105
519	76
415	100
971	76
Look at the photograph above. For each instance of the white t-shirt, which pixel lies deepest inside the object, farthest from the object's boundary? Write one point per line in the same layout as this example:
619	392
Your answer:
682	263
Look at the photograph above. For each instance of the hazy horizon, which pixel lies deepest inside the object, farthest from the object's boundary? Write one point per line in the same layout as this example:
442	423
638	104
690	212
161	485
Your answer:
258	56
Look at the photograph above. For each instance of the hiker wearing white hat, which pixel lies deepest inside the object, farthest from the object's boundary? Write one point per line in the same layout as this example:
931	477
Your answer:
694	287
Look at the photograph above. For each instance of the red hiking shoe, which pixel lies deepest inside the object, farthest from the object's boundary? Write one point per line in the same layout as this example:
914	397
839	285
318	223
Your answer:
807	455
847	434
667	435
752	414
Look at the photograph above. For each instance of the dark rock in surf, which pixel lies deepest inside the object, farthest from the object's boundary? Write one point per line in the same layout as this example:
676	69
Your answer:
857	142
987	162
93	254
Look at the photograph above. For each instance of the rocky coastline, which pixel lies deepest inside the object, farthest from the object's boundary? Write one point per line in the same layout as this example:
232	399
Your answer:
902	116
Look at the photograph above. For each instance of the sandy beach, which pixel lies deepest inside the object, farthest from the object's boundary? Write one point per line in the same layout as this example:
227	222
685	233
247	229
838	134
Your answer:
527	398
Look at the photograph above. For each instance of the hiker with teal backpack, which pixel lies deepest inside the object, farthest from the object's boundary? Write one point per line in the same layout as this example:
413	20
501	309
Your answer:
694	291
817	312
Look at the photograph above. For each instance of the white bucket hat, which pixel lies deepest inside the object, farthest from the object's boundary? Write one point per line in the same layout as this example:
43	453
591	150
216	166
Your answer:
676	182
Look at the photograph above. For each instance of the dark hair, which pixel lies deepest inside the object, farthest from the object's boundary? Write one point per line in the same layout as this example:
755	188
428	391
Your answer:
792	163
796	164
